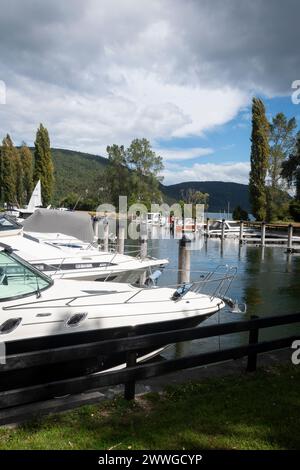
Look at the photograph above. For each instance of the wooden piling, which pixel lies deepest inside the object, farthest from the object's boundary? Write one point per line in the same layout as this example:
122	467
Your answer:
241	232
105	235
223	230
143	255
207	227
290	238
121	239
184	261
96	227
144	246
263	234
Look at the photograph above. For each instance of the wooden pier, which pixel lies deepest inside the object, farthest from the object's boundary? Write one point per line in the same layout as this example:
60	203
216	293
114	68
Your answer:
261	234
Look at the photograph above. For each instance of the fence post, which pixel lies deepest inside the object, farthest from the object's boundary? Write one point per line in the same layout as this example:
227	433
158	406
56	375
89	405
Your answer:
241	231
253	339
129	390
263	233
290	238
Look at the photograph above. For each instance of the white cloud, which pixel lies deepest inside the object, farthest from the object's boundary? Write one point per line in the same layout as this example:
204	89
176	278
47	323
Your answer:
97	73
235	172
176	154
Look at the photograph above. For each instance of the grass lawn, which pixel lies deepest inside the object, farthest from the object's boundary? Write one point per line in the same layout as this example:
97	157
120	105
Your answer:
254	411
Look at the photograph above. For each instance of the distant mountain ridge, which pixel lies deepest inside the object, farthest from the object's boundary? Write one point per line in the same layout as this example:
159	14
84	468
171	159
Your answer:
78	171
220	193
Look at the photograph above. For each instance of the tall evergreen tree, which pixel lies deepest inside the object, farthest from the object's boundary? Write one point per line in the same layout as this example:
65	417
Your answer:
8	182
27	166
43	166
18	176
260	152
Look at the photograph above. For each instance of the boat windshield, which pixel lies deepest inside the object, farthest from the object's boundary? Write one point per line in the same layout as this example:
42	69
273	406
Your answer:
19	279
7	224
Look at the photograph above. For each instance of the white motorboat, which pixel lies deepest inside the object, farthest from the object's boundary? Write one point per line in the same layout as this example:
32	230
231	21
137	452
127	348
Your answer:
66	257
36	306
231	228
38	312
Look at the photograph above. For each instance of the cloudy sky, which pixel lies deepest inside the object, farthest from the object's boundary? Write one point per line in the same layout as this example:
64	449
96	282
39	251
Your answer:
178	72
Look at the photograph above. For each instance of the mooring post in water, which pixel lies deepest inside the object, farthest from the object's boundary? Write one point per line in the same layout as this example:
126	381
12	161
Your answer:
207	227
263	234
105	235
184	260
241	232
253	339
144	246
290	238
223	230
129	391
143	255
121	239
96	227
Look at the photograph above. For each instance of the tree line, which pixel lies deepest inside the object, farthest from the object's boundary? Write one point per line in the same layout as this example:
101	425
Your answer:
20	169
135	172
275	165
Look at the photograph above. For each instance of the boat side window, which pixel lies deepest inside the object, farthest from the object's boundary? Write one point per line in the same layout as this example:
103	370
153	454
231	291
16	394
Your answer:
216	225
18	279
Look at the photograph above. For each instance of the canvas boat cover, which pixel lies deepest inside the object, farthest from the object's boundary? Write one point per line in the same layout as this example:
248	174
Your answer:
74	224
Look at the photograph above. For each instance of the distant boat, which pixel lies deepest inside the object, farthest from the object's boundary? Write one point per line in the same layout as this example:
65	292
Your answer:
231	228
35	202
36	198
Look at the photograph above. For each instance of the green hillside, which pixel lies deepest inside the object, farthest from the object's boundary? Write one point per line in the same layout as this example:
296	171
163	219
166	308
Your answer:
220	193
78	171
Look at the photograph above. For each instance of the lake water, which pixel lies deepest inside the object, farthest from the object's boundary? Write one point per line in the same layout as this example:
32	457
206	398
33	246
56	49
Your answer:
268	281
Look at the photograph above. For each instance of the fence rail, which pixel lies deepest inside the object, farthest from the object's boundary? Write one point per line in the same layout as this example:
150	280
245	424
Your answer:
135	372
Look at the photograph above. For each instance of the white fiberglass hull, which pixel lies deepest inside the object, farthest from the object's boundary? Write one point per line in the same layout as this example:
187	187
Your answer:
84	265
109	307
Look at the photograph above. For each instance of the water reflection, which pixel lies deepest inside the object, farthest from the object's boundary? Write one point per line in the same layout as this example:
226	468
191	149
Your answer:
268	280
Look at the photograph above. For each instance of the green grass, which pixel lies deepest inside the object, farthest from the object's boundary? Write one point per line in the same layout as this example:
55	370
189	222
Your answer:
255	411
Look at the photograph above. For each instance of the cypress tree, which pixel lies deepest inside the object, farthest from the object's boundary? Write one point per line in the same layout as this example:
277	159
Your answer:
18	174
27	167
259	159
8	171
43	166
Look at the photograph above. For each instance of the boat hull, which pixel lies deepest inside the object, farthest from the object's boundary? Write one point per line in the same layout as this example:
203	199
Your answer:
100	363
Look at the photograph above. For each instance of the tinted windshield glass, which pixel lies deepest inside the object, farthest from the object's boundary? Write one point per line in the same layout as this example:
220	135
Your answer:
6	224
18	279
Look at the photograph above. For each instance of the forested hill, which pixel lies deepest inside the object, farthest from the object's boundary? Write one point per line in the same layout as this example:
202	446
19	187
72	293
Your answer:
78	171
220	193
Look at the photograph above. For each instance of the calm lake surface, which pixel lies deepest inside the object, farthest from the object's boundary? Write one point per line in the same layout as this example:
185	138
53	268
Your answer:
268	281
